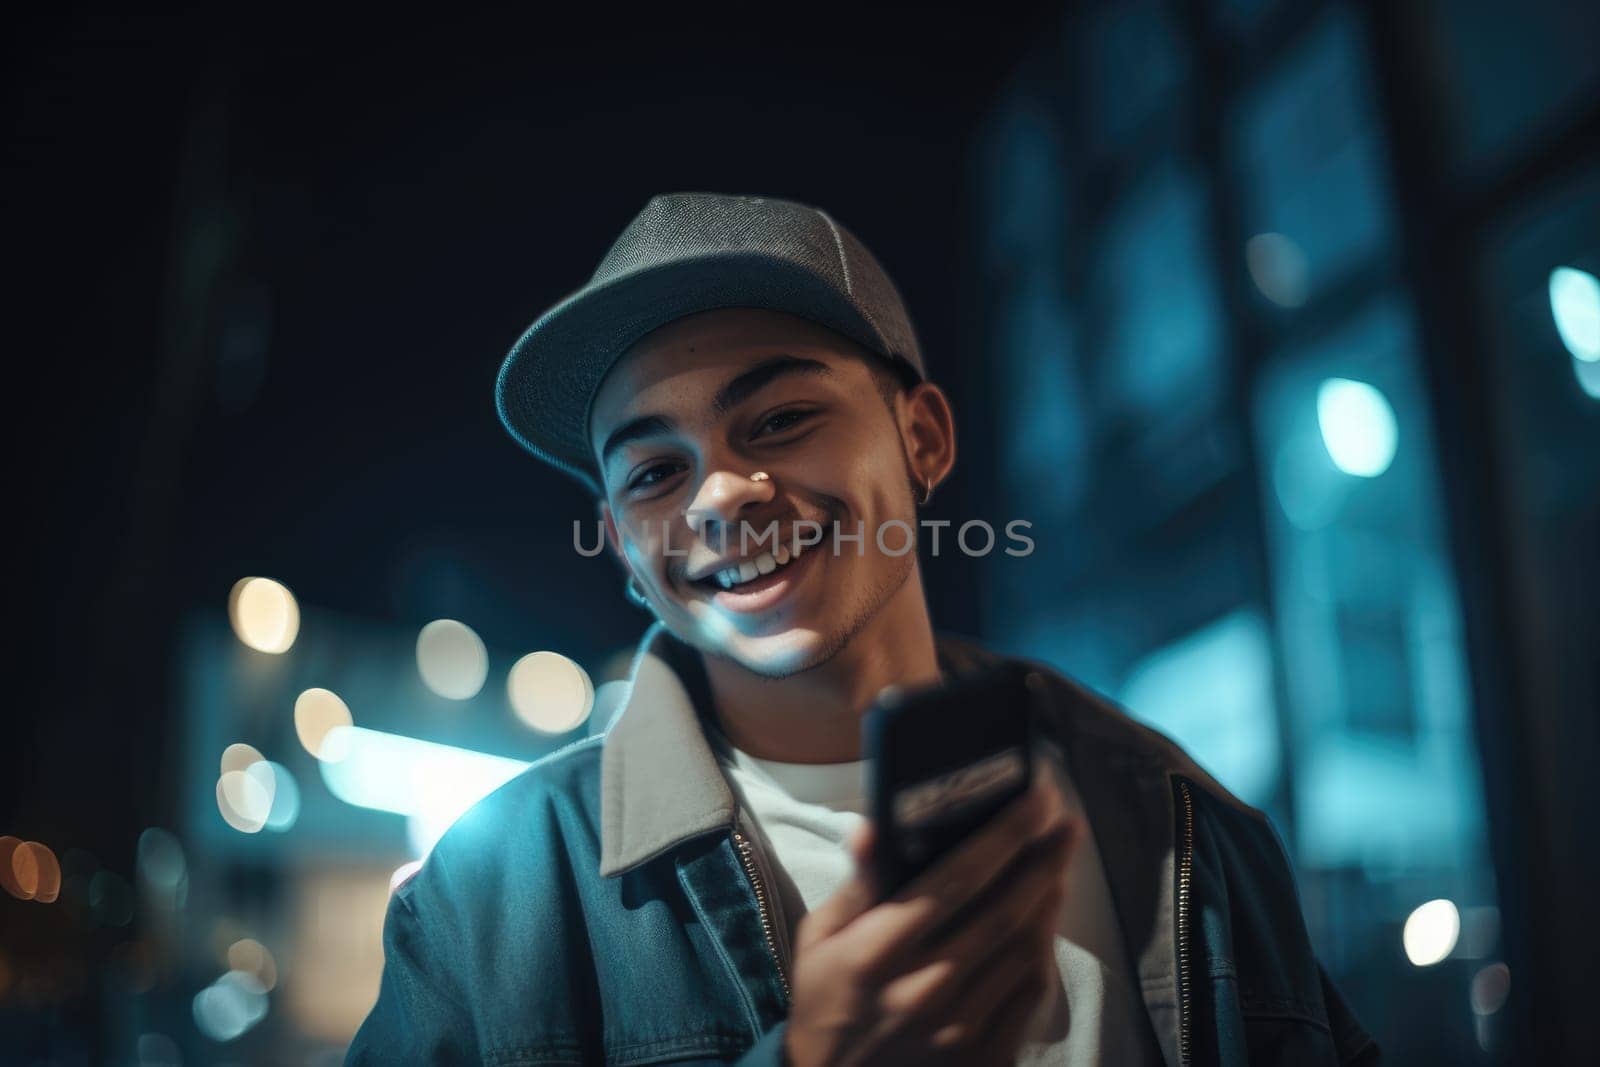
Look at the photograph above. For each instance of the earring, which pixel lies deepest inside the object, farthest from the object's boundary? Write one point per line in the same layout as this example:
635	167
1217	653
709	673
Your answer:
635	593
761	476
925	492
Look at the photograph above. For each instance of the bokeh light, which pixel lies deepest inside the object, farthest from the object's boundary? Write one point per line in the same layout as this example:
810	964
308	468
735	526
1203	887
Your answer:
1358	426
452	659
161	860
1490	988
550	692
317	713
252	957
8	876
229	1006
1430	932
238	757
285	798
36	871
431	783
245	797
162	867
1279	268
264	614
1575	304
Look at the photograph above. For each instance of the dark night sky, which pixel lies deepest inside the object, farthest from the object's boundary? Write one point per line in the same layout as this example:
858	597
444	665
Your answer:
265	271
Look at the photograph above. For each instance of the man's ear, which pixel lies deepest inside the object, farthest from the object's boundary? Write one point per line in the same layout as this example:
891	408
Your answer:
928	428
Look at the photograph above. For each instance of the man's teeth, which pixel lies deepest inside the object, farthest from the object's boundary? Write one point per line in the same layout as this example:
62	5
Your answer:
765	563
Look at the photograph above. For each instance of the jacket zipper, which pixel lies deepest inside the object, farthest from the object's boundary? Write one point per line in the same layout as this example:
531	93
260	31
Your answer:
1185	889
746	857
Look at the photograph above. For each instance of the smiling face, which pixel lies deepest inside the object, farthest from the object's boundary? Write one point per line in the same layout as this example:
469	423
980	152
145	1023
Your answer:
696	408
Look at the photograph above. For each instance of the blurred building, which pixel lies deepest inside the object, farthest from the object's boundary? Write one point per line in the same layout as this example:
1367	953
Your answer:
1283	302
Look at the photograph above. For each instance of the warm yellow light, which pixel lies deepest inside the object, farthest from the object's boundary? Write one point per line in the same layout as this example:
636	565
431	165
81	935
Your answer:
550	692
252	957
317	712
8	875
239	756
37	874
452	659
264	614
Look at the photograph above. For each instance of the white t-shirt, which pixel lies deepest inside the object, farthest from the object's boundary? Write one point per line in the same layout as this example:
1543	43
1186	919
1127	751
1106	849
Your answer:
1095	1015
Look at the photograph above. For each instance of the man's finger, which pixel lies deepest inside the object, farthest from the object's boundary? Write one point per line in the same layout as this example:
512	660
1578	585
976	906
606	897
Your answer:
1037	881
952	883
1025	911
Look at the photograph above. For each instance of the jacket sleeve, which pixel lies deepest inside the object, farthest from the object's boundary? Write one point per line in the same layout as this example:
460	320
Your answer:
1355	1046
417	1019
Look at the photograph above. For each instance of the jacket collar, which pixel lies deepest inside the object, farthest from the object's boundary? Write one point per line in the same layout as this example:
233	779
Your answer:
660	782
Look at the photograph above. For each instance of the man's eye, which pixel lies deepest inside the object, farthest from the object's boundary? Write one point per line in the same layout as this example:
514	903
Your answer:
781	421
654	475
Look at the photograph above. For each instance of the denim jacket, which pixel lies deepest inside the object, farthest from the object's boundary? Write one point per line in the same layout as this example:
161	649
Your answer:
612	904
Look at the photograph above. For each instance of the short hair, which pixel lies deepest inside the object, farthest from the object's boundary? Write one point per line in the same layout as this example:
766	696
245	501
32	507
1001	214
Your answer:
892	377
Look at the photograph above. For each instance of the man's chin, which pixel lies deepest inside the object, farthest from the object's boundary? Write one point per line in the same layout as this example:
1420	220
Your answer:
776	655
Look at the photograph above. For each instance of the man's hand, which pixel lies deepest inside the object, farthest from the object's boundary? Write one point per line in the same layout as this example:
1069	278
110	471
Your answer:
950	969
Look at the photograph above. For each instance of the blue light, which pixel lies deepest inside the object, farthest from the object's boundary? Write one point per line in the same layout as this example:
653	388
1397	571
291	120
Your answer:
1358	426
1575	303
408	776
285	798
229	1006
1211	691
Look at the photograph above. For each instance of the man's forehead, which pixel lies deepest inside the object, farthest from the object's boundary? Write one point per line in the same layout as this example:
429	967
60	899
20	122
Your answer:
696	352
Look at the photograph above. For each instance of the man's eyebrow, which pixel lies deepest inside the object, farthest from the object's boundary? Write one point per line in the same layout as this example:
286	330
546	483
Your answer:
762	375
634	430
738	389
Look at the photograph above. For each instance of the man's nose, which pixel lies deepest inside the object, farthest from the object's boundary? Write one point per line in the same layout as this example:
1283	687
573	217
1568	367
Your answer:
723	497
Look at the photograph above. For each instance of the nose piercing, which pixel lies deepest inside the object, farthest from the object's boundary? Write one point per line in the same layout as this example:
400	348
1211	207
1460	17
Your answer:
761	476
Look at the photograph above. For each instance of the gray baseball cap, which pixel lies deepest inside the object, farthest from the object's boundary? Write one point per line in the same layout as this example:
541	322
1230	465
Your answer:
685	253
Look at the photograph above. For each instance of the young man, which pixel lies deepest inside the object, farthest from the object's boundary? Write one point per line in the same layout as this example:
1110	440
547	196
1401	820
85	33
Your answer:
694	886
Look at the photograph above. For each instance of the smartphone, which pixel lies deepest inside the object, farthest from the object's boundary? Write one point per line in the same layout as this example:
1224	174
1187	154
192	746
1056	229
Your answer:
944	760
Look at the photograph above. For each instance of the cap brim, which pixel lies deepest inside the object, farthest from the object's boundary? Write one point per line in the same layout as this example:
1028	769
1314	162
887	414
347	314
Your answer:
550	377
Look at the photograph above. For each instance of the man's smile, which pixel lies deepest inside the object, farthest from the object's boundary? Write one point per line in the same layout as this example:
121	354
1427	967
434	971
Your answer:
761	582
746	571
